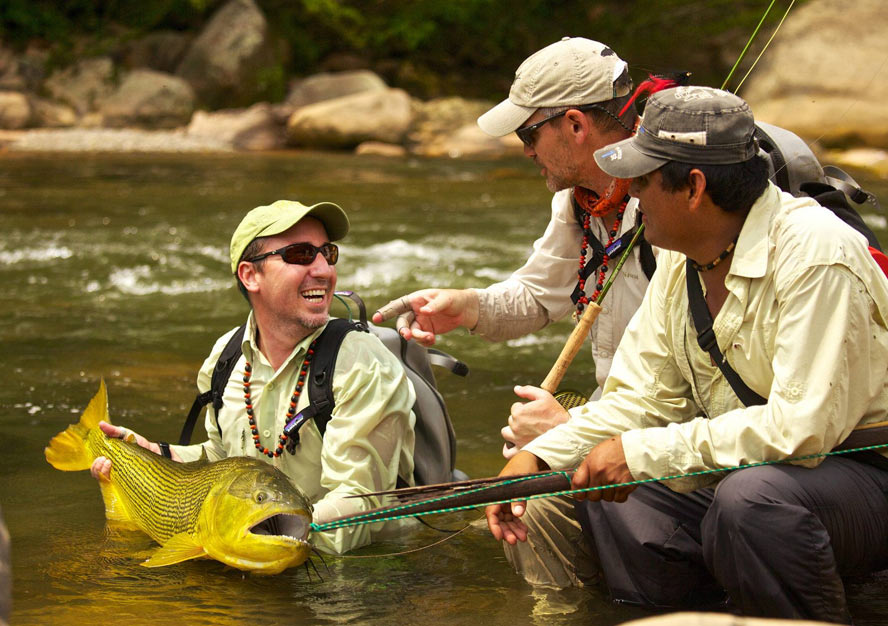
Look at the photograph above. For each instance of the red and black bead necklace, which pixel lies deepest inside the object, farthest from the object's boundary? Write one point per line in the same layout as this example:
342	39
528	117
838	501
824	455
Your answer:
602	270
291	411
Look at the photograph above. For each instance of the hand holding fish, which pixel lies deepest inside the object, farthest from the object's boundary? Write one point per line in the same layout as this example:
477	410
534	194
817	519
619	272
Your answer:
503	519
429	312
604	465
101	467
529	420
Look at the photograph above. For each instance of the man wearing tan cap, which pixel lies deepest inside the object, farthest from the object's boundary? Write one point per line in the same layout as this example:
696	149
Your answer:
566	101
795	360
284	260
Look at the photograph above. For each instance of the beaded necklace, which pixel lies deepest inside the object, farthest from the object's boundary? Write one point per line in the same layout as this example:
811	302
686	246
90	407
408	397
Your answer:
719	259
583	300
297	391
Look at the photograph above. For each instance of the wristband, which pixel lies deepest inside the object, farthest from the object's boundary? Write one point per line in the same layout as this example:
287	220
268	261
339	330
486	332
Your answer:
165	449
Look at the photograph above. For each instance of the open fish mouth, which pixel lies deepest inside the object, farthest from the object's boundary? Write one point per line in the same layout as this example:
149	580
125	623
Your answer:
285	526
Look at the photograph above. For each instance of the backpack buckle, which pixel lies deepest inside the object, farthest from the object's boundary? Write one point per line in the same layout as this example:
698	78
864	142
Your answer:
291	430
706	340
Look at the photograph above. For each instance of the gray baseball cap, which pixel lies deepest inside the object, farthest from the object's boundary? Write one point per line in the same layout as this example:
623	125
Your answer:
697	125
572	71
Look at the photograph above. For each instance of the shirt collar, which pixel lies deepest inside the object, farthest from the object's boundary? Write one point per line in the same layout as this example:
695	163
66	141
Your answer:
250	347
751	253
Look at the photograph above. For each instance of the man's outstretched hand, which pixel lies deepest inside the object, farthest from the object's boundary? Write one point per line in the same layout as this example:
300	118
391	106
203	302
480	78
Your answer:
428	312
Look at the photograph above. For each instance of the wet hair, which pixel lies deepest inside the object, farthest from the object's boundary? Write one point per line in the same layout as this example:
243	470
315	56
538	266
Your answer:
734	187
254	248
607	118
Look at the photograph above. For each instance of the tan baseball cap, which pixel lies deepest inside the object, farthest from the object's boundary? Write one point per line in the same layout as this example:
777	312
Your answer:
572	71
273	219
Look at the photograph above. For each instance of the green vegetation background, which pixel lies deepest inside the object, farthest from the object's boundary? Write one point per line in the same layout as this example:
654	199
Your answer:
430	48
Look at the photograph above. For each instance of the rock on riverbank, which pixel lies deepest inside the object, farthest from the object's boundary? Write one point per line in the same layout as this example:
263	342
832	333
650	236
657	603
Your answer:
823	78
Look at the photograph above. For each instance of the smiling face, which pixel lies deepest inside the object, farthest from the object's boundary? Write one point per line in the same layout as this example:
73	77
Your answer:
297	297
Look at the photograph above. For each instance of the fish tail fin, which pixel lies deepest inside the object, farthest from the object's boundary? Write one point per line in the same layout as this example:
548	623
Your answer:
68	451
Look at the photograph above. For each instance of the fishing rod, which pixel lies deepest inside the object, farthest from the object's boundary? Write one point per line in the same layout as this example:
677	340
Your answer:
460	496
578	335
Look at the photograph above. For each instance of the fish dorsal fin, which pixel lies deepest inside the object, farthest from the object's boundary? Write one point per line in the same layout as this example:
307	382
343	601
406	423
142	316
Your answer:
67	450
179	548
115	509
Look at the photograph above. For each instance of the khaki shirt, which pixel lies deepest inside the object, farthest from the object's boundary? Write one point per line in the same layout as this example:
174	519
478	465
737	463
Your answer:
804	325
539	292
368	441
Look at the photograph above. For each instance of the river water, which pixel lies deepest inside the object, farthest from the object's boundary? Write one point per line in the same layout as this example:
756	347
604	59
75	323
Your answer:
117	268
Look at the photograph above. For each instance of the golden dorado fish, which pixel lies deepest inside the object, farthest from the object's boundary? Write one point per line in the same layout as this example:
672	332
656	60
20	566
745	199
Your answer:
240	511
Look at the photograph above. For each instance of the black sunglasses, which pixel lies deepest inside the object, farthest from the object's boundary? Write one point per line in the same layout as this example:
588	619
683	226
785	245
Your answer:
303	253
527	134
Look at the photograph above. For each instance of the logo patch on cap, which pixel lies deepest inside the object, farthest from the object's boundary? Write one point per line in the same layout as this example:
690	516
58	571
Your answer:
613	155
698	138
686	94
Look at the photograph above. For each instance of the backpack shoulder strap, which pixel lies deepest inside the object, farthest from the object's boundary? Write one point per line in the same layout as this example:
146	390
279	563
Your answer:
706	339
320	381
647	258
836	201
448	362
221	373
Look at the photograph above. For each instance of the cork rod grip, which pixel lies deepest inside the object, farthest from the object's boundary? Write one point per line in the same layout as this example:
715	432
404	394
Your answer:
573	345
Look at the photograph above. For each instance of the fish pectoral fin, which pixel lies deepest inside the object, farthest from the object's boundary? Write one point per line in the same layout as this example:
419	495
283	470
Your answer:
115	509
179	548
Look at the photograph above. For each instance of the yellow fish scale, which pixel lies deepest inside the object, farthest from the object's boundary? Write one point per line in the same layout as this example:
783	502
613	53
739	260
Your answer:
163	497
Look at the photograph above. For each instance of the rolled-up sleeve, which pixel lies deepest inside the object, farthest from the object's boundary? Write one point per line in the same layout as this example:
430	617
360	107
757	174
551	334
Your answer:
539	292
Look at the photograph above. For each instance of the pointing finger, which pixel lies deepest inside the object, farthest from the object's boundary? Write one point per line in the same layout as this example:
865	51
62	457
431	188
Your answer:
393	308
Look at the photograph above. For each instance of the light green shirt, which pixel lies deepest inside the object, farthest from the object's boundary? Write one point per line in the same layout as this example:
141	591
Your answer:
368	441
804	325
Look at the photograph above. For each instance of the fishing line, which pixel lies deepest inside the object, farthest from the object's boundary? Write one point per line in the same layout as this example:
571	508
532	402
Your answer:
752	67
748	43
367	518
768	43
453	533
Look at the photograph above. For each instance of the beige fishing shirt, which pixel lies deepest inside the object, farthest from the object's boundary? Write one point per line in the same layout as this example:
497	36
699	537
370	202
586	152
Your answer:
539	293
804	325
368	441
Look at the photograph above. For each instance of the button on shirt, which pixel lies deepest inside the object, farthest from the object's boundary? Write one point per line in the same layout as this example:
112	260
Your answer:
804	325
368	441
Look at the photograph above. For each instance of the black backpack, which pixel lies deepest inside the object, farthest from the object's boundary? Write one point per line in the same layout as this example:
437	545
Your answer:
435	450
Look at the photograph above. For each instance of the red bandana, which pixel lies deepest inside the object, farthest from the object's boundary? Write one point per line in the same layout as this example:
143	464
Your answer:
597	206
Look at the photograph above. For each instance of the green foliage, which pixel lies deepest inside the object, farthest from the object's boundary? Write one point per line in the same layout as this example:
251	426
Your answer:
466	47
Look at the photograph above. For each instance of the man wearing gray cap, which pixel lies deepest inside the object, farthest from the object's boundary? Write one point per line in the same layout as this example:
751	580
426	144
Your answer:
801	318
284	262
567	100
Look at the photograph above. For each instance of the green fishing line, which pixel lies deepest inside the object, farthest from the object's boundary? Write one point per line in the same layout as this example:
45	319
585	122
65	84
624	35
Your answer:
395	513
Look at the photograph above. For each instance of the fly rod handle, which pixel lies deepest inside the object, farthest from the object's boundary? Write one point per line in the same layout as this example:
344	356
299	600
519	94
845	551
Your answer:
570	349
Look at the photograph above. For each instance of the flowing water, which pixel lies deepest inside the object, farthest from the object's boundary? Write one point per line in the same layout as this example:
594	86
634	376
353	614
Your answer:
116	267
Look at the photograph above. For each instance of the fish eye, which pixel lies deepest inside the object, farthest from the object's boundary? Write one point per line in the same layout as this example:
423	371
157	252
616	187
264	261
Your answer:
260	496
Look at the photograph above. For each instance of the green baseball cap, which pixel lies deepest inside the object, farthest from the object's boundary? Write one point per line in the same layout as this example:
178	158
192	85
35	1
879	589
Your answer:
273	219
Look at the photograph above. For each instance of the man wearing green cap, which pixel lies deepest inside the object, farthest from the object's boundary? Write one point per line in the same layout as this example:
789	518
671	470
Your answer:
284	261
800	313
